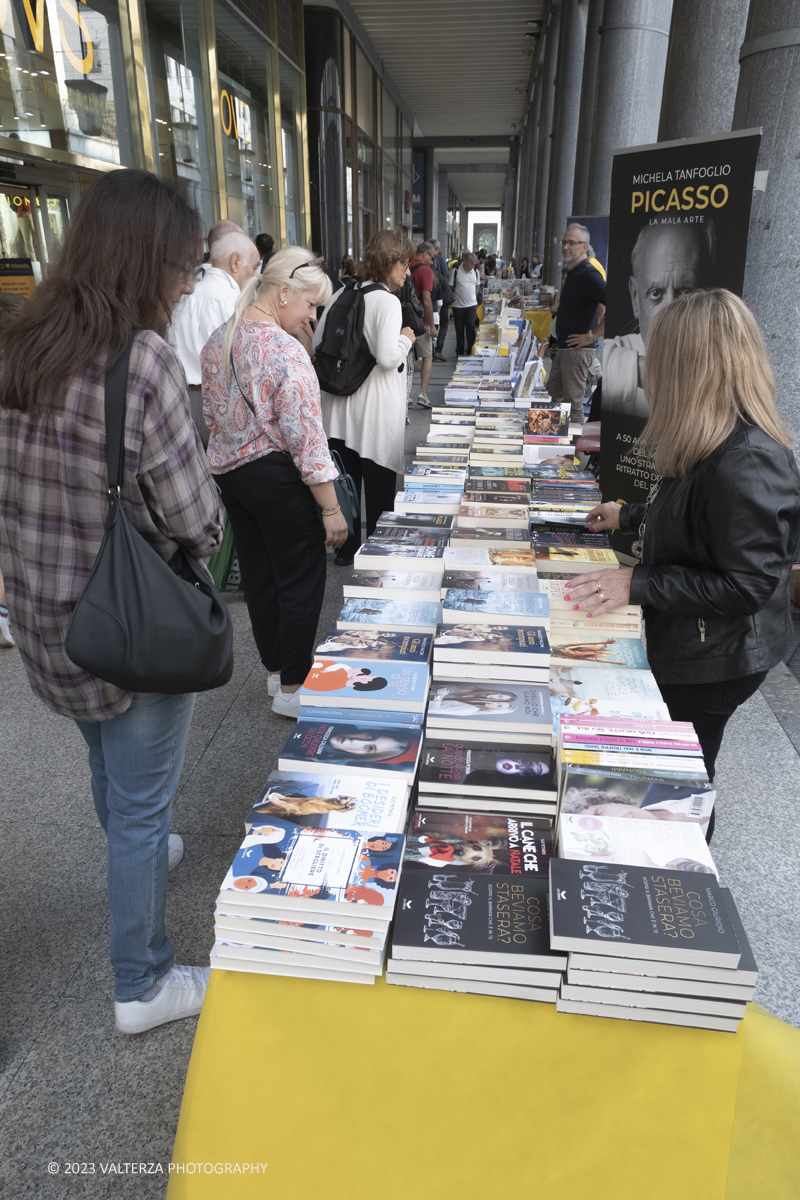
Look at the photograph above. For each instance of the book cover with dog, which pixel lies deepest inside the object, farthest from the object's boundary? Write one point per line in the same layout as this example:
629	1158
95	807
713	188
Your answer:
478	844
332	801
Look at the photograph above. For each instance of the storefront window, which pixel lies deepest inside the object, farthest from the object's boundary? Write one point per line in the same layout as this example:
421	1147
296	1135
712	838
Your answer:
349	156
62	77
290	80
366	188
389	126
364	94
389	194
244	81
180	131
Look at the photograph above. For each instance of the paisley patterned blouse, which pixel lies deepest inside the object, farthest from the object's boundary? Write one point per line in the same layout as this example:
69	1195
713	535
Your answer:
279	381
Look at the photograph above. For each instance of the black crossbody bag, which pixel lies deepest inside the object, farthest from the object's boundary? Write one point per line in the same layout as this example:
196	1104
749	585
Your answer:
138	624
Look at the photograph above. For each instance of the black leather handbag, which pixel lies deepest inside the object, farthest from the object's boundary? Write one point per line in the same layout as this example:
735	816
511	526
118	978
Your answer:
138	623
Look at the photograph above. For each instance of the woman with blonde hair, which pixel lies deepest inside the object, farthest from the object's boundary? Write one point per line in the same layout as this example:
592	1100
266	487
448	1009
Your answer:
719	532
268	452
368	427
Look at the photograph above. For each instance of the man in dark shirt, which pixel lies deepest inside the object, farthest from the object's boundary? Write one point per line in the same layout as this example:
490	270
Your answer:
577	325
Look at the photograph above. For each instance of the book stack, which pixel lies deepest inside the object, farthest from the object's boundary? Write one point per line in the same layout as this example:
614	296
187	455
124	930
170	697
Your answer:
472	907
649	944
307	901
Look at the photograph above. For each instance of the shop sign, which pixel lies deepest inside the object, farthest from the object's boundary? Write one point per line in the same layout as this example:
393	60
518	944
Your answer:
16	276
235	117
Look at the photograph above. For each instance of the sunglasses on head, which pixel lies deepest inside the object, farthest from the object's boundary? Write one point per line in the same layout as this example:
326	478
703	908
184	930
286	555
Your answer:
313	262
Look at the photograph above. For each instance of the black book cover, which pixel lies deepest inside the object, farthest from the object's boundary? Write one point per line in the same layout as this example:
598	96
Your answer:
676	916
494	766
416	520
452	916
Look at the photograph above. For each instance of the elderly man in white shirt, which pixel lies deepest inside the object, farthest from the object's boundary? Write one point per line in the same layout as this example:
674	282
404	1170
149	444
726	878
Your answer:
233	259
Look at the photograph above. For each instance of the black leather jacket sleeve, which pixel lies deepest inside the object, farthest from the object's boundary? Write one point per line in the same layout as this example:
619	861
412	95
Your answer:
739	515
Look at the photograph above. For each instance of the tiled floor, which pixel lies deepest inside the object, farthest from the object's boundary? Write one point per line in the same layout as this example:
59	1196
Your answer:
71	1088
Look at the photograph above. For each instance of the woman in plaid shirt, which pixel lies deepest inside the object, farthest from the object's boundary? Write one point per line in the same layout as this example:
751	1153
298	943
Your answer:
53	501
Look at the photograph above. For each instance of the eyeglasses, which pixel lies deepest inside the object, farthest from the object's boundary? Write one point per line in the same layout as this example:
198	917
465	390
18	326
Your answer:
569	242
314	262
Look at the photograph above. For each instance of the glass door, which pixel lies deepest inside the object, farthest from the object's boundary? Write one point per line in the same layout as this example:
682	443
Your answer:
21	256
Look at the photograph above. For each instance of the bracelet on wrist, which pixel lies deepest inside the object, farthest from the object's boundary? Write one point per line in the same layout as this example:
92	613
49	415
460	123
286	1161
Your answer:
331	512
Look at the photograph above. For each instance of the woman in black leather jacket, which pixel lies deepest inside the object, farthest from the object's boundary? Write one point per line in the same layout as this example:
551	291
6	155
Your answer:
721	525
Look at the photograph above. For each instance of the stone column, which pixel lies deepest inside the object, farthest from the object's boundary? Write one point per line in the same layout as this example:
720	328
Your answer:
702	68
546	129
583	146
527	189
441	213
769	95
565	132
630	80
510	201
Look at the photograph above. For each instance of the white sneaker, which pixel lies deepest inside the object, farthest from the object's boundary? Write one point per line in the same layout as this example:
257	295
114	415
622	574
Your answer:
287	704
181	995
273	683
6	640
423	402
175	849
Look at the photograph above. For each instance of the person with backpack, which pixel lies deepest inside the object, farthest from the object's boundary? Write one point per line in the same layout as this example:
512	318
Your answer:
366	423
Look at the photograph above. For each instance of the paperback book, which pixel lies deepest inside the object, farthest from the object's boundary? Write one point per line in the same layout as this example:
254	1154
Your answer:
363	802
592	682
316	870
394	585
613	652
354	683
494	580
392	615
319	746
670	845
496	844
398	554
366	716
637	912
490	539
451	917
483	557
519	608
653	799
450	767
495	708
416	520
376	644
575	559
491	645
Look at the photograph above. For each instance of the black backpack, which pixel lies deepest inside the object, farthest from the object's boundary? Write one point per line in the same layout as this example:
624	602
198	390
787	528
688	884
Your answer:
342	359
413	312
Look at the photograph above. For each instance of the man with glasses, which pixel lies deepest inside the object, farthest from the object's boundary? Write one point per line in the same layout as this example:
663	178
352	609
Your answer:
577	324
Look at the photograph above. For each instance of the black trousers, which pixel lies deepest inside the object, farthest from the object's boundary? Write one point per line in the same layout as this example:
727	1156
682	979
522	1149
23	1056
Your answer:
380	489
281	546
709	707
444	321
464	321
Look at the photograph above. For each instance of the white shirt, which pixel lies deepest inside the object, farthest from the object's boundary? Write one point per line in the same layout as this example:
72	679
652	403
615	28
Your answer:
195	318
464	284
373	420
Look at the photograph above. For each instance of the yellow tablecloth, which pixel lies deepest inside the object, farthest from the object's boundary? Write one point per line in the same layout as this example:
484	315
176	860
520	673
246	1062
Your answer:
540	323
343	1092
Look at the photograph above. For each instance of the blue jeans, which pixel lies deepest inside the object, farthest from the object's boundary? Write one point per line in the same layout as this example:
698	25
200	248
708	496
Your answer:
136	761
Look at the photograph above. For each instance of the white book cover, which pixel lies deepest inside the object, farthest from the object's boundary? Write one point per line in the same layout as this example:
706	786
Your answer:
671	843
